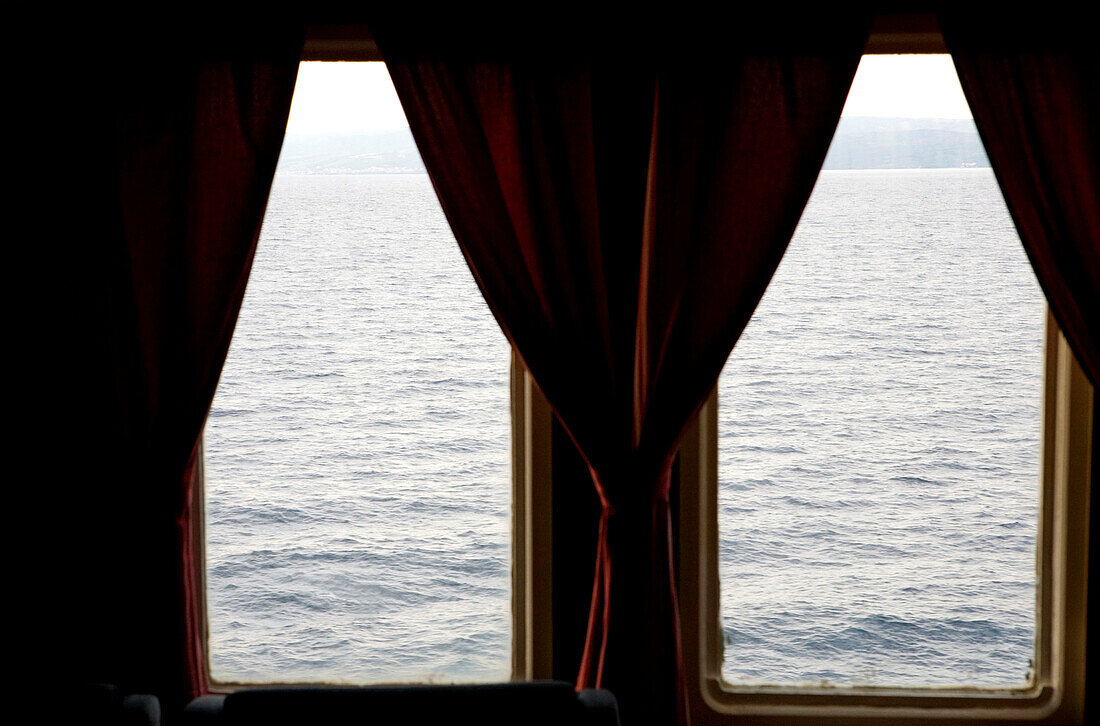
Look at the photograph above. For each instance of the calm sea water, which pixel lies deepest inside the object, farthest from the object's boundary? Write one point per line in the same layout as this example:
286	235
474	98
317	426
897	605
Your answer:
358	468
878	458
879	443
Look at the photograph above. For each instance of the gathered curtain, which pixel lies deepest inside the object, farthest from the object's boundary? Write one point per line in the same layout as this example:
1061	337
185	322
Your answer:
622	196
180	147
1033	84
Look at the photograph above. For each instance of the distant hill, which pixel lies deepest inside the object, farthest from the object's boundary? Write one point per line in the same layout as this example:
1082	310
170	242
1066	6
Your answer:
387	152
860	143
905	143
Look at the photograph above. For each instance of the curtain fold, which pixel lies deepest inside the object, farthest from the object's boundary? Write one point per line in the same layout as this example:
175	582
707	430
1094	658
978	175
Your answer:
182	136
622	195
1033	84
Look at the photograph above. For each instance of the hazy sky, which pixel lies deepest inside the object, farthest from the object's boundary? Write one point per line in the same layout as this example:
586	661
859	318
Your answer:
348	97
907	86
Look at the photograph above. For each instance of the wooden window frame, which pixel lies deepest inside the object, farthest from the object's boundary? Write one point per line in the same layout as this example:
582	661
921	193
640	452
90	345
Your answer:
1057	693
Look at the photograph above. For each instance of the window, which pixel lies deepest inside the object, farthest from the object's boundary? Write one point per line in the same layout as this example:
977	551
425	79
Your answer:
764	688
879	420
357	453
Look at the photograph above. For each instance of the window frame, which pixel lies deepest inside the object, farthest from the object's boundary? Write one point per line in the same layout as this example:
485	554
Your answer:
532	528
1057	693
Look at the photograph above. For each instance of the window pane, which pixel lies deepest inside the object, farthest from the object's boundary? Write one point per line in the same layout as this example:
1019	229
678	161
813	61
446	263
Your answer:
358	451
879	436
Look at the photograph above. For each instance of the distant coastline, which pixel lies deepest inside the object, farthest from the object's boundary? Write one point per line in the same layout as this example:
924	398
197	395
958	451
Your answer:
859	143
905	143
386	152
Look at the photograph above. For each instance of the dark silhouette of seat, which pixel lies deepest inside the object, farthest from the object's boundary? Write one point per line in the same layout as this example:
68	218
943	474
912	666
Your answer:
538	703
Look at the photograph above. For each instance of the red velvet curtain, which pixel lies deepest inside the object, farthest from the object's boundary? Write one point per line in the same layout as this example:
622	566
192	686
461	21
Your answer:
179	139
622	195
1033	84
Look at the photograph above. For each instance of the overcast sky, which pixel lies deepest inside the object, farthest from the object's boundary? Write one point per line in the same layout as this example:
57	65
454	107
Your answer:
354	97
907	86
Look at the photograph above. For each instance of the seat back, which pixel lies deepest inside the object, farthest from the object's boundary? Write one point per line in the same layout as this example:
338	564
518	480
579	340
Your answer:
539	703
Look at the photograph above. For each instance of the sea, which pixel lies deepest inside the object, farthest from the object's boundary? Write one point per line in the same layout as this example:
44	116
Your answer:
878	447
